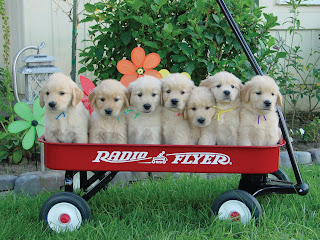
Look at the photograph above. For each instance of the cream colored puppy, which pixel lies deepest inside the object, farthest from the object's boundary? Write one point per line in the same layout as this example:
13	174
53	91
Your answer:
226	90
108	123
176	89
145	111
66	119
200	112
258	116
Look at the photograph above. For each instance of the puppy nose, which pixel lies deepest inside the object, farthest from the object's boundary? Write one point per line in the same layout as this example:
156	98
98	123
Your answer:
147	106
108	111
174	101
226	92
52	104
201	120
267	103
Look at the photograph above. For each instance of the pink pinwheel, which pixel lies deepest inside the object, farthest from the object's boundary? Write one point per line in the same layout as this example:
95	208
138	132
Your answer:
88	87
141	65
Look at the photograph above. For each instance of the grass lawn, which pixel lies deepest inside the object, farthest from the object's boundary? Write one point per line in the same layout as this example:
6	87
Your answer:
172	209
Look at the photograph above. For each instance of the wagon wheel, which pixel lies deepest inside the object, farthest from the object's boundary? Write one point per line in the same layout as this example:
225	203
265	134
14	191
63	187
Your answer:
279	175
237	205
64	211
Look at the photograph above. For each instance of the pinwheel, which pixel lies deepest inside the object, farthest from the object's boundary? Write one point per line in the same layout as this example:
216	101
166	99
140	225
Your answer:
141	65
32	121
88	87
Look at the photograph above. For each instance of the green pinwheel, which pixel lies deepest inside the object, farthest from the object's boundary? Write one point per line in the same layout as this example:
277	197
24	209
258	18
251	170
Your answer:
34	122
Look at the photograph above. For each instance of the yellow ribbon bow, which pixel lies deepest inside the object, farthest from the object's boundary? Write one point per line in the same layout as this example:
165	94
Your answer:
222	111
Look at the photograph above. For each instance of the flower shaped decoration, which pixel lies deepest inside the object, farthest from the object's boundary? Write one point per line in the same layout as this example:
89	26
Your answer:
141	65
33	121
88	87
164	73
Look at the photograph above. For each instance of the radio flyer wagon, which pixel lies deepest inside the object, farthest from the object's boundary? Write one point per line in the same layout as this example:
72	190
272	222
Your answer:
67	210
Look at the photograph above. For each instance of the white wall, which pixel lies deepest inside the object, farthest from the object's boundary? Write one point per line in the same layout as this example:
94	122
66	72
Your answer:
36	21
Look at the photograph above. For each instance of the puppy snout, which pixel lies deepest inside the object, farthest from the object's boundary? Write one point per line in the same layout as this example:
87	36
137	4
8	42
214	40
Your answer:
147	106
201	120
52	104
267	103
108	111
174	101
226	92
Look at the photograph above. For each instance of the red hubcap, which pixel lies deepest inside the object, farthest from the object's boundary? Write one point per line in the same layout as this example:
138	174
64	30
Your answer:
64	218
235	216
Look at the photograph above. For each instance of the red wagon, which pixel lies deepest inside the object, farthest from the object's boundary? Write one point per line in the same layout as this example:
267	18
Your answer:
258	166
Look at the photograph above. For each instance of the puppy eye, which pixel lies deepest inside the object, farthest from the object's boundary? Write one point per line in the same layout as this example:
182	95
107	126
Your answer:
272	94
193	109
258	93
207	108
182	92
219	86
116	99
232	86
102	99
47	93
140	94
154	94
61	93
168	91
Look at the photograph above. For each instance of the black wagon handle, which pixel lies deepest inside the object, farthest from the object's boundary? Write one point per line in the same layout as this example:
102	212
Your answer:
303	186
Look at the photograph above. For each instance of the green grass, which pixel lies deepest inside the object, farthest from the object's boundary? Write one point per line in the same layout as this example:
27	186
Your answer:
172	209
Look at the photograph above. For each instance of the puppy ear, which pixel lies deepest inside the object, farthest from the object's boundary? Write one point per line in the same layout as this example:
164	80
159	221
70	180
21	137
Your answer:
77	95
279	99
205	83
245	92
127	98
41	100
185	114
92	98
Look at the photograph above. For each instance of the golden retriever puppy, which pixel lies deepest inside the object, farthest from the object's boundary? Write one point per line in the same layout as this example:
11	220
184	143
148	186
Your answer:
200	112
108	123
145	111
66	119
226	90
176	89
258	116
144	126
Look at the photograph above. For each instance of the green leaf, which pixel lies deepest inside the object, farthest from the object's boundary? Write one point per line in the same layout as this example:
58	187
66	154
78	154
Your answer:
146	20
281	55
271	42
23	110
3	155
216	18
168	28
90	7
29	138
150	44
219	38
82	70
189	67
126	38
18	126
17	155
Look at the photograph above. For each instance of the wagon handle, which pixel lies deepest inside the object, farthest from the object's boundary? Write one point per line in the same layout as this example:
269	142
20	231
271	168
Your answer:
303	186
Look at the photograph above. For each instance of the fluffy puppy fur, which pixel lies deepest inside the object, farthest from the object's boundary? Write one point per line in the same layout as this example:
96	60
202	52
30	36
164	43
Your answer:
176	89
200	112
108	123
226	90
258	117
66	119
145	104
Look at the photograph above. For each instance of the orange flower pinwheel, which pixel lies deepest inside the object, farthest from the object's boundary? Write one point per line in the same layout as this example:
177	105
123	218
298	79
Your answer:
141	65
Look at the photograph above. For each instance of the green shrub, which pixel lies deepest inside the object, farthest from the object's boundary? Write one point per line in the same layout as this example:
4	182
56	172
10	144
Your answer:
191	36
